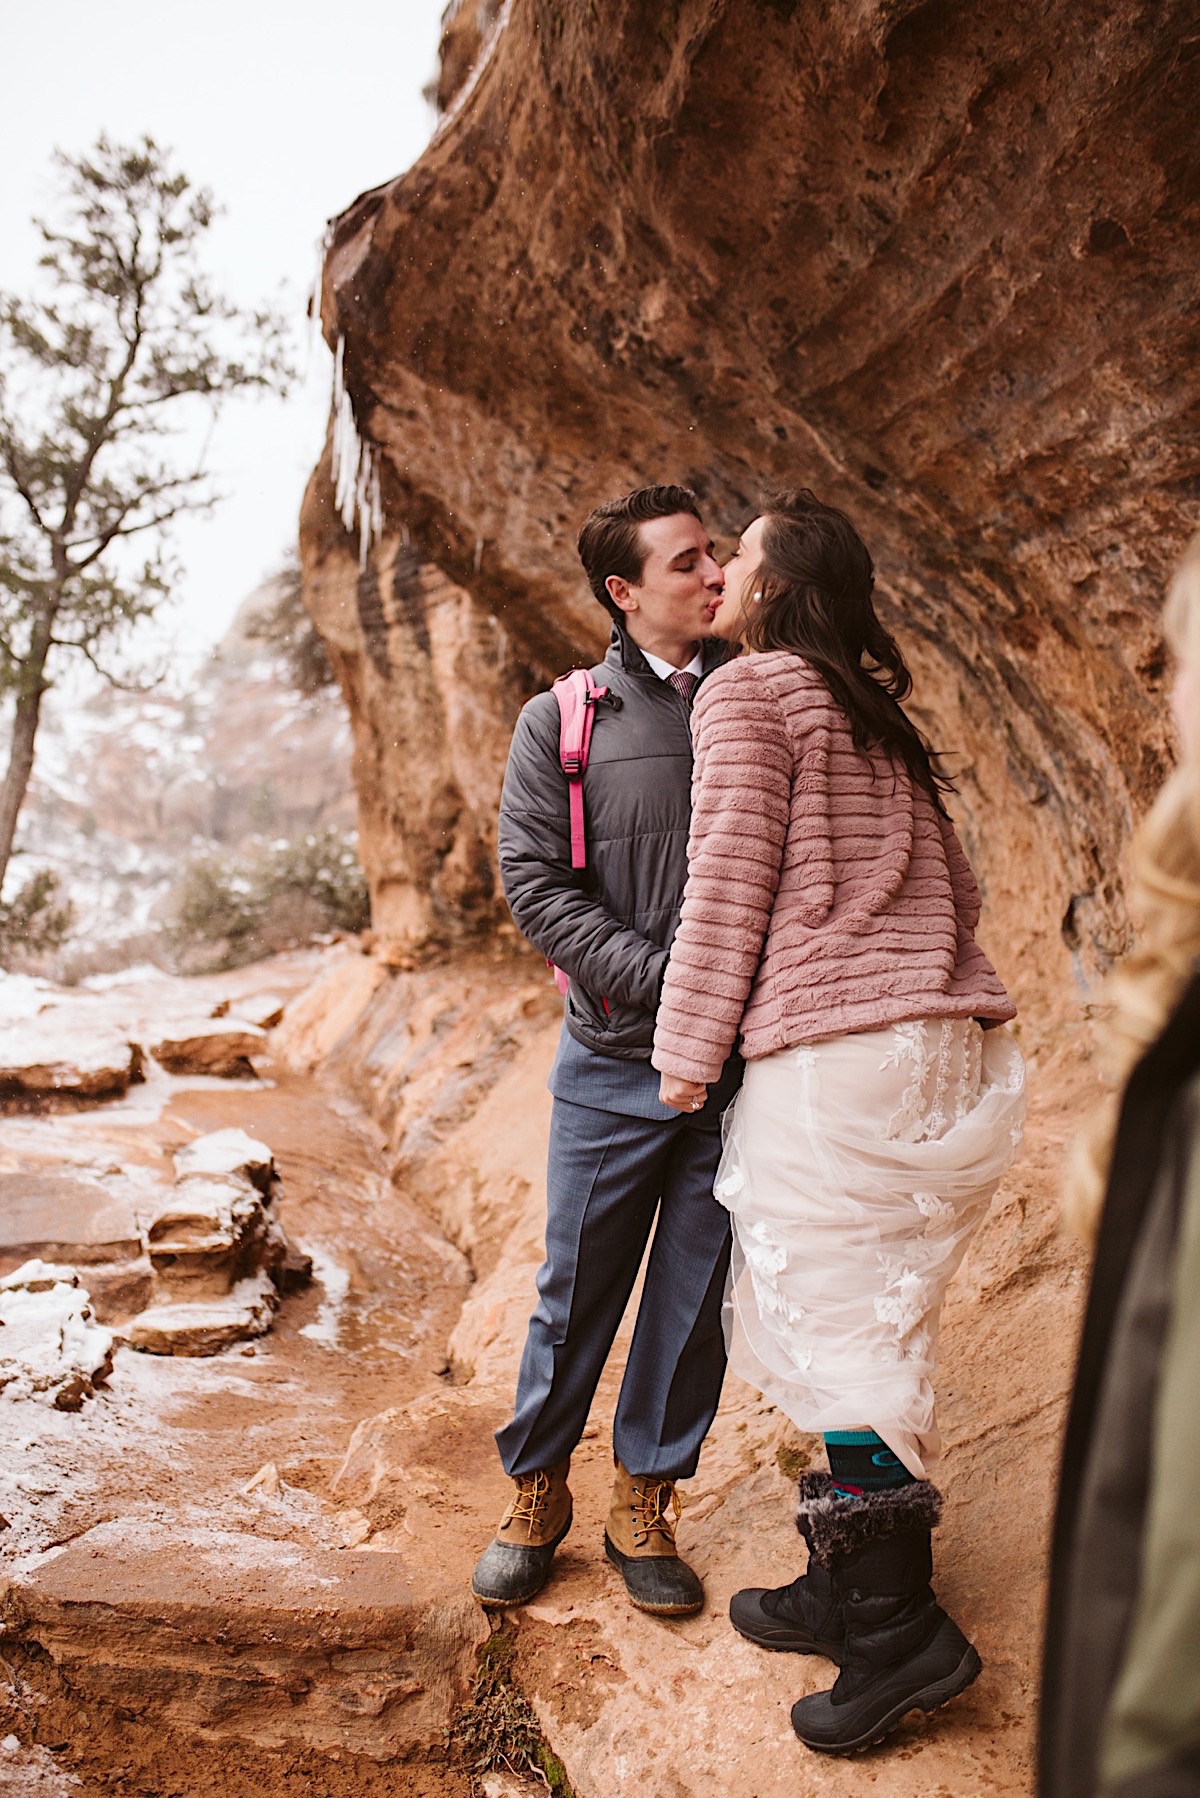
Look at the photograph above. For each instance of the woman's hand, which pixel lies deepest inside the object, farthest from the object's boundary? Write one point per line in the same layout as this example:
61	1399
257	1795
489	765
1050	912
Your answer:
682	1095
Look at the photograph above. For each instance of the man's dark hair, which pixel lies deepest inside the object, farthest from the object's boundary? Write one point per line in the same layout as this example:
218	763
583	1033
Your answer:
611	543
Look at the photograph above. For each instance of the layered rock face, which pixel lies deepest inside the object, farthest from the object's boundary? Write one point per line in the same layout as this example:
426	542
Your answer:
936	262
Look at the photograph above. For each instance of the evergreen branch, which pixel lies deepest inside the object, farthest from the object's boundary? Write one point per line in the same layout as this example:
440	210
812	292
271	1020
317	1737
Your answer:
113	532
84	648
20	486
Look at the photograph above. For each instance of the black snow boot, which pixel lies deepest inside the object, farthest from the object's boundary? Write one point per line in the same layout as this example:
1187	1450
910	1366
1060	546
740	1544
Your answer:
805	1617
902	1652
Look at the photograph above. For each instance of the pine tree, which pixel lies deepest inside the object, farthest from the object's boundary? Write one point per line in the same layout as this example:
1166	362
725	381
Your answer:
122	343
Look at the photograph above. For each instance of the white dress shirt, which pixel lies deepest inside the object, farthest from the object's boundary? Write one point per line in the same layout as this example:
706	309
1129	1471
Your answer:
665	669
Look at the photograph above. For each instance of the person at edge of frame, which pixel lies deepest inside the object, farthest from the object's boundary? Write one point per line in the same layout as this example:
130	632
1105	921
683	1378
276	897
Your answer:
1120	1705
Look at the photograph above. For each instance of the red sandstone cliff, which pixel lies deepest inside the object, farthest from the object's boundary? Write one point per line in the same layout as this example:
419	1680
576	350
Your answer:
935	260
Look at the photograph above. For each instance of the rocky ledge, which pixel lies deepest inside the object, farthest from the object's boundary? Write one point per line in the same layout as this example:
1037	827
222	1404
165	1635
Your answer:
187	1606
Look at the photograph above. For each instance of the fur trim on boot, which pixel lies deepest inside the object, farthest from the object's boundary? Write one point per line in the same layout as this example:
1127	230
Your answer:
834	1526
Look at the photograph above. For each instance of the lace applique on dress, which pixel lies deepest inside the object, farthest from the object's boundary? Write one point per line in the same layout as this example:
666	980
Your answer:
732	1183
944	1085
932	1206
852	1213
905	1303
767	1258
762	1251
909	1043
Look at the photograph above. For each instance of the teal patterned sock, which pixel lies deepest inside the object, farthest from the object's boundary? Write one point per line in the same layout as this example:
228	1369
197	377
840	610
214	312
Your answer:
861	1462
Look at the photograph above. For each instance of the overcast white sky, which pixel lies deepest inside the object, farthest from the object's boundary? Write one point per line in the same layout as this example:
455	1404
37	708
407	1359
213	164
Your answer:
286	110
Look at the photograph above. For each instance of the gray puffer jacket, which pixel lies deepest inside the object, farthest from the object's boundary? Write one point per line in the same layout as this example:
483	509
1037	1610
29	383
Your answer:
608	926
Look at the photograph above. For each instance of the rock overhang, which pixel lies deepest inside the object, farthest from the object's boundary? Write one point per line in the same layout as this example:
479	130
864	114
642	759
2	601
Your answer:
934	262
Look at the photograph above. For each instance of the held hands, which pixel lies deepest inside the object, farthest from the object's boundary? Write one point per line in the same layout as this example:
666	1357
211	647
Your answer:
682	1095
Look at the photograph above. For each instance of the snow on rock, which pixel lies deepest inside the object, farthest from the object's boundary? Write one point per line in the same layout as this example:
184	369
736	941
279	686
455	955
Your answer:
23	996
230	1152
60	1053
218	1260
206	1326
32	1772
264	1009
211	1046
52	1350
208	1236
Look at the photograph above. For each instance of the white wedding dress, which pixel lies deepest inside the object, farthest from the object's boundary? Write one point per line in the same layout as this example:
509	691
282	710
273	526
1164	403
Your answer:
855	1171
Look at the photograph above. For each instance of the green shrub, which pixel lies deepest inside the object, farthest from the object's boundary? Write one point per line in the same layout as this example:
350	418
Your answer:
235	909
290	633
35	920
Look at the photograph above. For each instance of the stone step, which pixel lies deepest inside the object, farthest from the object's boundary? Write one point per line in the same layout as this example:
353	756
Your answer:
211	1046
226	1636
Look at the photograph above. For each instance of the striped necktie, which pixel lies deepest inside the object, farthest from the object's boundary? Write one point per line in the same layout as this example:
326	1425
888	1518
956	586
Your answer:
685	684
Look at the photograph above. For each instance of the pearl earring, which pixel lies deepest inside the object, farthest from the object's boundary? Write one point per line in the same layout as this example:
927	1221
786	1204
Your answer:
757	597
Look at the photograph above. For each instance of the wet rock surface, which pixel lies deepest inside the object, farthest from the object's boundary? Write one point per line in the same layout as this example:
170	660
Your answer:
224	1632
171	1445
57	1217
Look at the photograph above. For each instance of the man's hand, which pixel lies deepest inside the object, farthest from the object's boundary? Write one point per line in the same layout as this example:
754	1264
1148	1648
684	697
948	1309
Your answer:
682	1095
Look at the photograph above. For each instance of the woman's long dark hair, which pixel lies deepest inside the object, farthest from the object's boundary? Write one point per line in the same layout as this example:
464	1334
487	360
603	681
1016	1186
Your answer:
813	591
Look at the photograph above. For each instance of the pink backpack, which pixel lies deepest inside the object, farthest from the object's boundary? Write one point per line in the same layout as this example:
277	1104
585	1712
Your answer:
577	695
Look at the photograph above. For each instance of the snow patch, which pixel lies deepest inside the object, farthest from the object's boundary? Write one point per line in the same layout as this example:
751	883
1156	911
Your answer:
335	1282
52	1351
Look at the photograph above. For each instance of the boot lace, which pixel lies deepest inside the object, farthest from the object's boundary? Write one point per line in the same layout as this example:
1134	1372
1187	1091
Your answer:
649	1507
533	1491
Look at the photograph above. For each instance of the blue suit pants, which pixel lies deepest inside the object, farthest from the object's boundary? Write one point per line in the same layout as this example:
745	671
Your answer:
611	1179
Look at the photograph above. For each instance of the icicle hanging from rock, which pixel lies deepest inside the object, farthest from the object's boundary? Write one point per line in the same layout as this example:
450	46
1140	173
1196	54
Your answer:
357	492
500	11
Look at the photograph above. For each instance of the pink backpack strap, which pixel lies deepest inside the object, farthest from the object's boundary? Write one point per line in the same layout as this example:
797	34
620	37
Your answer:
576	694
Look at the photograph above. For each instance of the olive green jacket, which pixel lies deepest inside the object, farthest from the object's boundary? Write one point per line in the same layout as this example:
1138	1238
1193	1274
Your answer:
1121	1684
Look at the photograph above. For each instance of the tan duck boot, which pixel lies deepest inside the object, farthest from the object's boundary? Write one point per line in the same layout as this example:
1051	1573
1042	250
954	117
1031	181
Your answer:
516	1564
640	1543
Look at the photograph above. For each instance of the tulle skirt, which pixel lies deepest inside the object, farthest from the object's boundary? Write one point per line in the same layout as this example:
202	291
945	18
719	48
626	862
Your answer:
855	1171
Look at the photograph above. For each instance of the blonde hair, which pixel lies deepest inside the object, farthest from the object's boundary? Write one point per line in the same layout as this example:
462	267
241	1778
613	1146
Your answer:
1165	868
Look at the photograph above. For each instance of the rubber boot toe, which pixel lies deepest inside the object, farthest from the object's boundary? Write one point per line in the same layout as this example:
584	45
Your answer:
661	1584
511	1573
